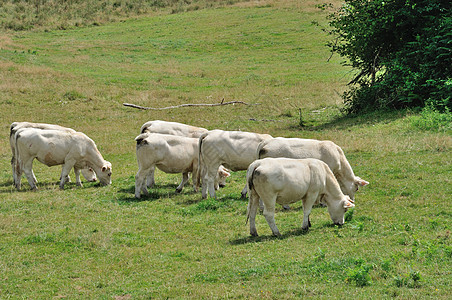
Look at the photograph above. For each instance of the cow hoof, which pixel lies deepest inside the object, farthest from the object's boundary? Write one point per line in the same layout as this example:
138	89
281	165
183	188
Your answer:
254	234
178	190
286	207
243	196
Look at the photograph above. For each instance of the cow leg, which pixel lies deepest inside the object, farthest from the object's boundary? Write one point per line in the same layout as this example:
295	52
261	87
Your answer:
18	176
28	171
77	177
150	181
243	193
308	202
140	182
13	166
209	182
183	182
67	178
211	187
67	167
193	179
253	204
269	214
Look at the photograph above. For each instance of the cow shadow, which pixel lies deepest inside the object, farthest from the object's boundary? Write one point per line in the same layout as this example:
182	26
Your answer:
264	238
45	186
166	190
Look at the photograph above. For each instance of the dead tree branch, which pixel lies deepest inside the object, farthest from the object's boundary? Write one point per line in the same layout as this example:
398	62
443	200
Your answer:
186	105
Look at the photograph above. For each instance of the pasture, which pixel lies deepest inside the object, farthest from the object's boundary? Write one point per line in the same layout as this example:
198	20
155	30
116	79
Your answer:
100	242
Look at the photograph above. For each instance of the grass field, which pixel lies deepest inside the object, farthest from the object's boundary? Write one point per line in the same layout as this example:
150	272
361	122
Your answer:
100	242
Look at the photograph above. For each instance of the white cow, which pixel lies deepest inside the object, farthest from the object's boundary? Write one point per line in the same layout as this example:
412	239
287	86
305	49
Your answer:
172	128
326	151
88	173
171	154
235	150
285	181
56	147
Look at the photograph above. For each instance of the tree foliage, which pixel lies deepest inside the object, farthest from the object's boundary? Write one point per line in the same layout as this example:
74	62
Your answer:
401	49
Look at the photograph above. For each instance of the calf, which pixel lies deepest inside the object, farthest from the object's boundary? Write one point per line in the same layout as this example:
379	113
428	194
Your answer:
56	147
326	151
235	150
171	154
285	181
87	173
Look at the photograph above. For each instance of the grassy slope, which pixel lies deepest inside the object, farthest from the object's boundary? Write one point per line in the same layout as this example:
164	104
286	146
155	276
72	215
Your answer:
100	242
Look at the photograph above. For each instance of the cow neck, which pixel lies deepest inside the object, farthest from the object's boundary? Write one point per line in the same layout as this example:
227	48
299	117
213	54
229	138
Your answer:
332	186
96	158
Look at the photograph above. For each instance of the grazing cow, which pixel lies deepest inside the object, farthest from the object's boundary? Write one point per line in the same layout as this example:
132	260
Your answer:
235	150
171	154
172	128
87	173
326	151
285	181
56	147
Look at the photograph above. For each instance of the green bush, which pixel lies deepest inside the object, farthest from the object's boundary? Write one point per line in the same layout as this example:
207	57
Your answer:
401	50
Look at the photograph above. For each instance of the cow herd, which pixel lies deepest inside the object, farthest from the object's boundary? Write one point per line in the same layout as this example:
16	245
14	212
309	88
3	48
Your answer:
279	170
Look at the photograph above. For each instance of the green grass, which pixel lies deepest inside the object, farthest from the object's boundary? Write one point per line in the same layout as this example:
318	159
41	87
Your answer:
101	242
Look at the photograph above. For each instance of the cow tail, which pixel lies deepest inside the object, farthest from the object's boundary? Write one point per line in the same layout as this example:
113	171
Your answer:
198	171
259	149
250	186
19	163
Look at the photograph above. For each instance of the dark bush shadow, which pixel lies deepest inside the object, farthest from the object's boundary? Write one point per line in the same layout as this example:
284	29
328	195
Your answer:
344	122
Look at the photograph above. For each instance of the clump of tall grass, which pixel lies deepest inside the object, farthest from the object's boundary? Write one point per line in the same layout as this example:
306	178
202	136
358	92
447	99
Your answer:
432	119
38	14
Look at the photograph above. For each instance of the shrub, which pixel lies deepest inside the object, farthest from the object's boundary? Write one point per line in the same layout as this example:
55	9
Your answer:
401	50
360	275
411	279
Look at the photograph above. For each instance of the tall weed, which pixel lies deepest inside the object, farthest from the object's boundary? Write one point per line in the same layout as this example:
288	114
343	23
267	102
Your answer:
431	119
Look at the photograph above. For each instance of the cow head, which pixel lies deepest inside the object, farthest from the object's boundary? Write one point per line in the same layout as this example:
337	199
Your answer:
89	174
105	174
337	209
223	173
350	187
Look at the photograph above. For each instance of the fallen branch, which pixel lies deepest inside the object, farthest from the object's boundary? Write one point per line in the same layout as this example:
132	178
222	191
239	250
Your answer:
186	105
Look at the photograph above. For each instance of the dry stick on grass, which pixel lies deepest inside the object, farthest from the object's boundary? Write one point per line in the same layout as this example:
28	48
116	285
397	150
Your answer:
187	105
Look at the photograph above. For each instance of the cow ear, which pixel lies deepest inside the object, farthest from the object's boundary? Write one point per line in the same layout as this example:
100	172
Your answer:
348	204
361	182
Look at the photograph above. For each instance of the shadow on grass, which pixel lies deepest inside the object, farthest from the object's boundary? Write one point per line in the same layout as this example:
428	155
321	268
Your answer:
344	122
46	186
127	194
259	239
